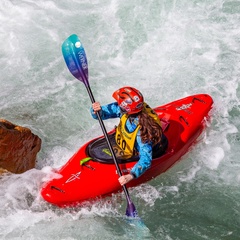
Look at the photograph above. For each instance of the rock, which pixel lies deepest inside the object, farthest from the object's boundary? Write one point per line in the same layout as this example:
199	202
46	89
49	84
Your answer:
2	171
18	147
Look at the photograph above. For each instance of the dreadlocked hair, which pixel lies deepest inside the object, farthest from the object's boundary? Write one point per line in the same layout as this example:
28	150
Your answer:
150	130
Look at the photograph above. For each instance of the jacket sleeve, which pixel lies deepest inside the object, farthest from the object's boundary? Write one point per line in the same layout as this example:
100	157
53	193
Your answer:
145	160
111	110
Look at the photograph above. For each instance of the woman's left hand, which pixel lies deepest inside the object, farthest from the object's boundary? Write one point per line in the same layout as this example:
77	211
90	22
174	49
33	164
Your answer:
125	179
96	107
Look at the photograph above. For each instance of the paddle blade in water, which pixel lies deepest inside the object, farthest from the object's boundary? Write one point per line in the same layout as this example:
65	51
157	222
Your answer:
75	58
131	211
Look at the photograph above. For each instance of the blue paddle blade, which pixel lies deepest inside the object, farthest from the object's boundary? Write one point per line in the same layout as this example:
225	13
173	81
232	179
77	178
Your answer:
133	218
131	210
75	58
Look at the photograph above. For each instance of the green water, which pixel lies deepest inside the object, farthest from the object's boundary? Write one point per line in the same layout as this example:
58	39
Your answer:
168	50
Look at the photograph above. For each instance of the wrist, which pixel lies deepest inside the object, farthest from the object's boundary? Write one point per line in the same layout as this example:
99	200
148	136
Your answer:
133	175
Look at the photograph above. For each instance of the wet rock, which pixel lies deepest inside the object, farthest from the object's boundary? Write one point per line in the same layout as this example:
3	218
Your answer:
18	148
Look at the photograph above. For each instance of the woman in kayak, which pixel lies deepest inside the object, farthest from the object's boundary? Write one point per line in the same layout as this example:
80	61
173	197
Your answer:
139	131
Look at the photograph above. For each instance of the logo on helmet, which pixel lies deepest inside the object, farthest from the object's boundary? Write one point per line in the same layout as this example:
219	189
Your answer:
136	98
123	104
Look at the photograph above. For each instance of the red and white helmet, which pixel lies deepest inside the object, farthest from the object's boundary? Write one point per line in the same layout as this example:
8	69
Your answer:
129	99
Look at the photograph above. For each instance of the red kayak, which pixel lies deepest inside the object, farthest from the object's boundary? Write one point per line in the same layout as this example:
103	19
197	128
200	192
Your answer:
91	172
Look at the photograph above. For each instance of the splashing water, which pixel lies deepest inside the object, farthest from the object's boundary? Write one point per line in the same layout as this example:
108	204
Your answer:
168	50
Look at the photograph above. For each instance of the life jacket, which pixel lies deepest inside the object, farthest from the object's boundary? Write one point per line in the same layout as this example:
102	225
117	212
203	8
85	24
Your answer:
125	140
152	114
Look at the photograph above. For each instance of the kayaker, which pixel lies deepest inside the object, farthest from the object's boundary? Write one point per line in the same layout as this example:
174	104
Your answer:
139	131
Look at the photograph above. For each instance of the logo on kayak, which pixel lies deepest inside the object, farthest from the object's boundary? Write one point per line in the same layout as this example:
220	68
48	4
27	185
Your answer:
107	151
73	177
184	106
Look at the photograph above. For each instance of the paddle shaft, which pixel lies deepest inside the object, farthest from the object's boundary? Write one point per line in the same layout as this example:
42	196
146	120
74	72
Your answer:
108	142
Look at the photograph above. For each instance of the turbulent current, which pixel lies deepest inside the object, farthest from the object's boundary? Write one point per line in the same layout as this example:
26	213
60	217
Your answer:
168	49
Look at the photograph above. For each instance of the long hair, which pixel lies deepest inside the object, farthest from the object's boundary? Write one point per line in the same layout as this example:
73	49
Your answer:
150	130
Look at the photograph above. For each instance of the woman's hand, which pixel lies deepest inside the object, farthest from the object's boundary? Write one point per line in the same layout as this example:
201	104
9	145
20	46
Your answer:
96	107
125	179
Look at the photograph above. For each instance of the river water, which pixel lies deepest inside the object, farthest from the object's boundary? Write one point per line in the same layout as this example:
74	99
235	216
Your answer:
168	49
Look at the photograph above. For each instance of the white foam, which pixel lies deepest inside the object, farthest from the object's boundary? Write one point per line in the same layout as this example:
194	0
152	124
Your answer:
167	49
190	174
214	157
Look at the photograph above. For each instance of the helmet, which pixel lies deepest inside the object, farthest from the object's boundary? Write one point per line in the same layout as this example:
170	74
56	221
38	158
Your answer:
129	99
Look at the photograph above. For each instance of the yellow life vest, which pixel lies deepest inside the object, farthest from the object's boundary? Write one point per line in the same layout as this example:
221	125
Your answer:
151	113
125	140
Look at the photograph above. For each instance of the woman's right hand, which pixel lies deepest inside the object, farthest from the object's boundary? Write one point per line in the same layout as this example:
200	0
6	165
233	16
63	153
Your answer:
96	107
124	179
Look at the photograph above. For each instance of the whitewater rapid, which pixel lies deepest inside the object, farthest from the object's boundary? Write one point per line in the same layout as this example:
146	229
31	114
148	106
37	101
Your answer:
168	50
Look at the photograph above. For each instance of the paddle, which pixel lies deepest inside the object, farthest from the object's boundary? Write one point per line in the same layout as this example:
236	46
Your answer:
76	60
